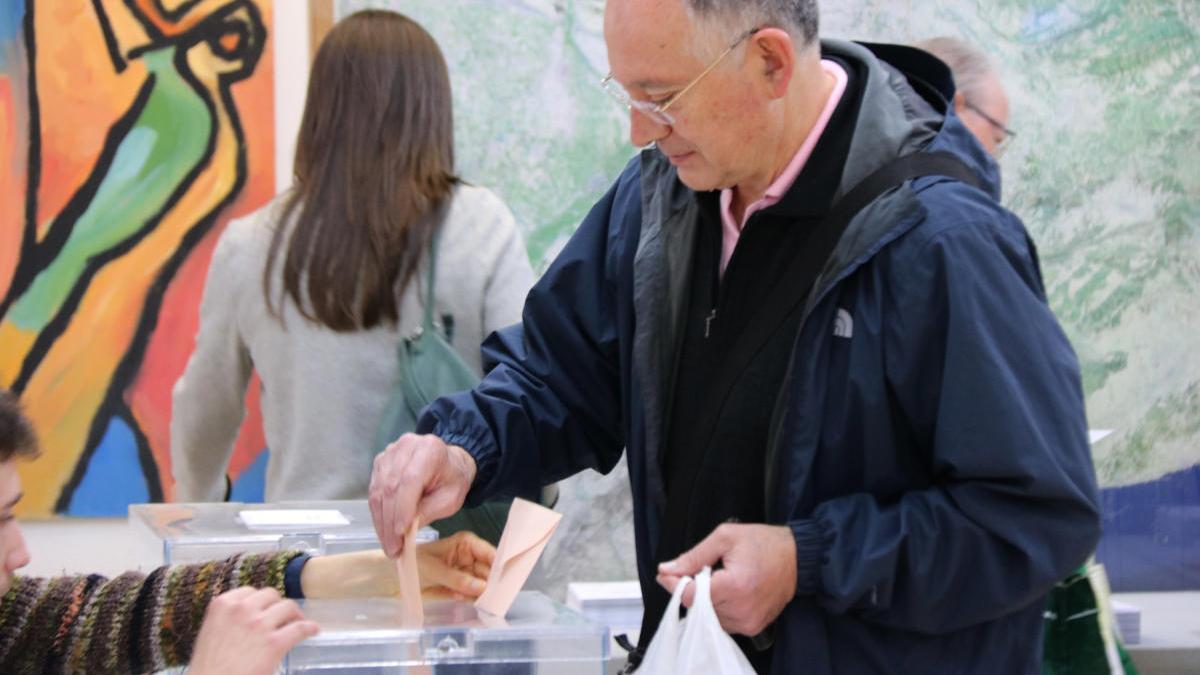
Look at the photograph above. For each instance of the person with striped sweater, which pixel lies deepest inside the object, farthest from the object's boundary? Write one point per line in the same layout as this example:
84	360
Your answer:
236	616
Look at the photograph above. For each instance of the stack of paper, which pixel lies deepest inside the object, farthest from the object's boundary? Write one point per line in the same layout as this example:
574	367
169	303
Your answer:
1129	621
616	604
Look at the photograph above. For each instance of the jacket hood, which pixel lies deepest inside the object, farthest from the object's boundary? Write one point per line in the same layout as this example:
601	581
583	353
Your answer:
904	109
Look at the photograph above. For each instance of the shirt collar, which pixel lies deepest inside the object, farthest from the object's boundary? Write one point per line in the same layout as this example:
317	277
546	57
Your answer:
784	181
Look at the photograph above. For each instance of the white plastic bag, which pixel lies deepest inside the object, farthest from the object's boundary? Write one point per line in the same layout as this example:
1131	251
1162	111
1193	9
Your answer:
696	645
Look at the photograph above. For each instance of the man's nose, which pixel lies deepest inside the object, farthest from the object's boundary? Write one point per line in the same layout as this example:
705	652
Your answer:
644	130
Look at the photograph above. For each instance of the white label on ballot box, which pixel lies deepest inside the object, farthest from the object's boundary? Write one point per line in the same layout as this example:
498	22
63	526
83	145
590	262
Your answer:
274	519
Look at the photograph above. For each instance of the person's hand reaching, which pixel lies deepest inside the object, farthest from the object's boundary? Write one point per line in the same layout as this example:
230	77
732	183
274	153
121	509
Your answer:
248	631
457	566
454	567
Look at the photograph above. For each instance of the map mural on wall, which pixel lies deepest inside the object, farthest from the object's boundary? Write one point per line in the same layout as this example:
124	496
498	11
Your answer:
103	252
131	131
1105	172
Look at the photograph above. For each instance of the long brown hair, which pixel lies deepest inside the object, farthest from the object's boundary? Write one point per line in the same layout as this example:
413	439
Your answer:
17	439
374	162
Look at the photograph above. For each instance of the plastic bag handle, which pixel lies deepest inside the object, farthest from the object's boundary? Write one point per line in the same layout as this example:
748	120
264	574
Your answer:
661	653
702	600
672	612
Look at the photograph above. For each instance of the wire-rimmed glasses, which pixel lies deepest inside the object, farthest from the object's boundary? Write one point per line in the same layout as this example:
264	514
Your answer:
658	111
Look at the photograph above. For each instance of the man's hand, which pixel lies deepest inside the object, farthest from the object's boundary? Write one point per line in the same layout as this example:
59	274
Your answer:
247	632
758	578
417	477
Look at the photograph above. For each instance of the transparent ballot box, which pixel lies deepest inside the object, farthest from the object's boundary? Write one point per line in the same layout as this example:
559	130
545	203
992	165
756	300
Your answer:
184	533
538	636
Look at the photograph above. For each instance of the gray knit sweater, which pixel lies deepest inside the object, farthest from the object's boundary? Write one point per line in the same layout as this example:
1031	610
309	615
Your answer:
323	392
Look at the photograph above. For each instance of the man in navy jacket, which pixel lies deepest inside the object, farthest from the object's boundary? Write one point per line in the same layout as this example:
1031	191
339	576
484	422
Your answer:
892	471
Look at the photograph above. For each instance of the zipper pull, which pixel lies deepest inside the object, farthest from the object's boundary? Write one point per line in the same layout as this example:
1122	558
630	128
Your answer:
708	322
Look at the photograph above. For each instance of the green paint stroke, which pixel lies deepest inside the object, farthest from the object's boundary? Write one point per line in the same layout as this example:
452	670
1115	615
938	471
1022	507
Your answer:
166	142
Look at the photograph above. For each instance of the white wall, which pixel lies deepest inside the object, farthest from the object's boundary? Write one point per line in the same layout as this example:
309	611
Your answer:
291	81
83	546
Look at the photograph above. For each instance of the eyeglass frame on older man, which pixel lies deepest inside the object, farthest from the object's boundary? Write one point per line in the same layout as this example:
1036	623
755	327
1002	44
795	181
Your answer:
658	111
1009	134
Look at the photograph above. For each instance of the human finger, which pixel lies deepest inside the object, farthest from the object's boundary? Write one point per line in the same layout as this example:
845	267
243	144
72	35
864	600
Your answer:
261	598
282	613
385	485
482	570
480	550
705	554
292	634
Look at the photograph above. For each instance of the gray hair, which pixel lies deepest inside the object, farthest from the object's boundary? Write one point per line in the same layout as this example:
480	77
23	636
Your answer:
798	17
969	65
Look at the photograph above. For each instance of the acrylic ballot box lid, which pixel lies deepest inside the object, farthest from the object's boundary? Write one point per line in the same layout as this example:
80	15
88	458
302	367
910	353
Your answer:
369	636
184	533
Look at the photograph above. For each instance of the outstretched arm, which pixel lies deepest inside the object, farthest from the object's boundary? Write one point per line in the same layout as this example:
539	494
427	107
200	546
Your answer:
134	623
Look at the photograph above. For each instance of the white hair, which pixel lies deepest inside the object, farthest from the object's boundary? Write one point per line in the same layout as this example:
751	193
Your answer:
968	64
727	19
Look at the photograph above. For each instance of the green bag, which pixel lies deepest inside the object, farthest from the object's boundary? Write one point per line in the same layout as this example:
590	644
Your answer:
429	368
1081	636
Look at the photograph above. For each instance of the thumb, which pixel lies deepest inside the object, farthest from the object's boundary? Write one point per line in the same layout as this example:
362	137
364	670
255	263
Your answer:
442	502
702	555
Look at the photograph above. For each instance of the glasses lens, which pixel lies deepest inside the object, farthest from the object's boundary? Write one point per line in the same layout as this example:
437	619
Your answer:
616	91
651	110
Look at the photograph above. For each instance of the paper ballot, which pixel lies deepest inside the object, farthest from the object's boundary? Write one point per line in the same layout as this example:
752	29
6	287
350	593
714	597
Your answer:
410	580
521	544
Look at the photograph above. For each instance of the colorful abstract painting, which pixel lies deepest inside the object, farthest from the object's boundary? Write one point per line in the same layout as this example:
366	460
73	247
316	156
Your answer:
131	132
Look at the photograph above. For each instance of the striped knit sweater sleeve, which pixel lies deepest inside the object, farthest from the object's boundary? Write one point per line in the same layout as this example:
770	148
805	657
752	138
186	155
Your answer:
135	623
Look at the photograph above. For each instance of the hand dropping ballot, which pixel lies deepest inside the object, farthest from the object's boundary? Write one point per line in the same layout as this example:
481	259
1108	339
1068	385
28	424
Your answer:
525	536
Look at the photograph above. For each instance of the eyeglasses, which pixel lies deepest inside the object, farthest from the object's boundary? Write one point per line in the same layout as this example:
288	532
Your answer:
658	111
1009	134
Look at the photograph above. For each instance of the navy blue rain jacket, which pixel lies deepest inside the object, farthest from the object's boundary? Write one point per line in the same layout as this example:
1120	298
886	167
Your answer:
931	455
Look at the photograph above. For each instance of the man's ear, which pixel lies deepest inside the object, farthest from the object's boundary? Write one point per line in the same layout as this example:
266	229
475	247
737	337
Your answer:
960	102
777	55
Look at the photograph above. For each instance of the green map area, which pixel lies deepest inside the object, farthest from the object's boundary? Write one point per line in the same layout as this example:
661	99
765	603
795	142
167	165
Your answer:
1105	172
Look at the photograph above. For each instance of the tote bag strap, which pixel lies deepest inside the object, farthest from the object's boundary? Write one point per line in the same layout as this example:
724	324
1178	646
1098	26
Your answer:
439	215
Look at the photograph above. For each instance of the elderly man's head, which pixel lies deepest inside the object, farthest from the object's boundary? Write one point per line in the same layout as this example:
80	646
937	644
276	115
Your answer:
980	100
712	82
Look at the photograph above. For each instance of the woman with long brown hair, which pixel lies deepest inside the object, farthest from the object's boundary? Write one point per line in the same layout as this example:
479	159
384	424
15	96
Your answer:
316	290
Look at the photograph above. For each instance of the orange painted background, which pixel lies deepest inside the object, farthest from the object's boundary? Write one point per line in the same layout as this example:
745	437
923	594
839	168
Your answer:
131	132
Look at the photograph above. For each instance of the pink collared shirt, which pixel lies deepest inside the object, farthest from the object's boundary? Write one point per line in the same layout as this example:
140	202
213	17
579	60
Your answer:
731	229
